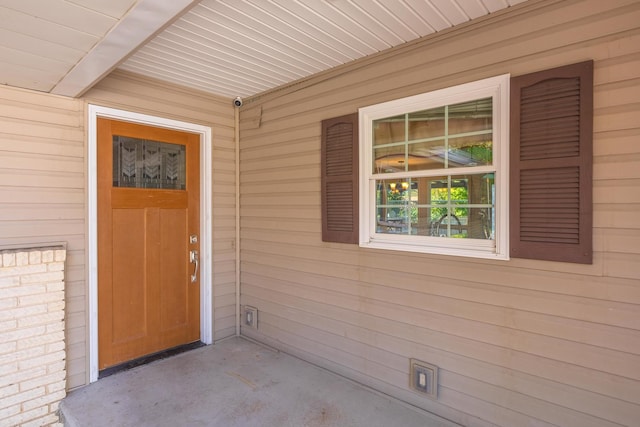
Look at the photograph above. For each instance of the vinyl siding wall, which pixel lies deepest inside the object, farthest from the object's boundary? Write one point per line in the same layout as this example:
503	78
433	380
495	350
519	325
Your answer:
518	342
43	185
42	194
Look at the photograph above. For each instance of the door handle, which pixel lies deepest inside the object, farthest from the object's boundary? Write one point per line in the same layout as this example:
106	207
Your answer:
193	259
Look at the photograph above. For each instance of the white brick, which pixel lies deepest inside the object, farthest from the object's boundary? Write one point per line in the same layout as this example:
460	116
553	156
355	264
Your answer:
40	319
55	346
46	277
55	286
22	270
9	411
42	360
8	391
9	259
47	256
7	348
6	303
24	290
8	325
22	258
56	306
27	416
18	398
55	403
8	368
18	313
22	333
32	348
9	281
21	376
18	355
35	257
55	266
54	406
40	340
55	327
60	255
44	400
57	366
57	386
42	380
41	298
49	420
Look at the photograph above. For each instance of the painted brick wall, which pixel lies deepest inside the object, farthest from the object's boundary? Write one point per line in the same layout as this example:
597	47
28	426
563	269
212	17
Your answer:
32	346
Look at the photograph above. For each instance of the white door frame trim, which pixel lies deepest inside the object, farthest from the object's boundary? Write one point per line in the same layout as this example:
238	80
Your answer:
206	238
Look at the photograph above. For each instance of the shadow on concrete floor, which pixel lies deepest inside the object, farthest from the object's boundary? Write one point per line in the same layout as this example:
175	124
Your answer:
235	383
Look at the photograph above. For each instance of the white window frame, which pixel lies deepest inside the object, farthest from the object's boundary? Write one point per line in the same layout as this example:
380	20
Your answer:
495	87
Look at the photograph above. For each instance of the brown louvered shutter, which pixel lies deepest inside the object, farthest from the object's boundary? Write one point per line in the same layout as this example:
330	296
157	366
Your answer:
551	164
340	179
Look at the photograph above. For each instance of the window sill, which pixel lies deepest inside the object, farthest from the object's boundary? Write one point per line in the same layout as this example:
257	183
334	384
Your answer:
460	251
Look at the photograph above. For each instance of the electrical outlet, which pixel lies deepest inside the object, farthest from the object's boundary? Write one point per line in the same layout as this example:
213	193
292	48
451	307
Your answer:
250	316
424	378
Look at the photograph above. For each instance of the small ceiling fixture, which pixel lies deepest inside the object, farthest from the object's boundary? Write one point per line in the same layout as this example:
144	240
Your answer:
393	187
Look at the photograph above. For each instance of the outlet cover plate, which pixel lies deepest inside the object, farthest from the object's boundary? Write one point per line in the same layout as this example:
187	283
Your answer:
424	378
250	317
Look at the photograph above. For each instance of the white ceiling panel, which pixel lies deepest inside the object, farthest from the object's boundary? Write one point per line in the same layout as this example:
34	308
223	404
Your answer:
113	8
383	33
36	46
432	16
385	15
415	22
39	28
22	75
451	11
473	8
63	13
269	22
225	47
495	5
255	31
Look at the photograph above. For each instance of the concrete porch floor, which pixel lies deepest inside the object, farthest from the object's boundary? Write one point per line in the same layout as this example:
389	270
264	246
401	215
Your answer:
235	383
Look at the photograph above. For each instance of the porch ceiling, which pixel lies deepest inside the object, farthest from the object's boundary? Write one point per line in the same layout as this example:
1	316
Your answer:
225	47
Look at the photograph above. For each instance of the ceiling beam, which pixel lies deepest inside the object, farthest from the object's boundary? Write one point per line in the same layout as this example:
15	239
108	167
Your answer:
145	19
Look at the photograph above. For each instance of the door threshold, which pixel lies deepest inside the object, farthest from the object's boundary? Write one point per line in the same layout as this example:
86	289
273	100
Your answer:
149	358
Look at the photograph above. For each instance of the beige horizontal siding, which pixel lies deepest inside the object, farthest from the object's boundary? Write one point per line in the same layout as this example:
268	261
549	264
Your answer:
42	191
521	342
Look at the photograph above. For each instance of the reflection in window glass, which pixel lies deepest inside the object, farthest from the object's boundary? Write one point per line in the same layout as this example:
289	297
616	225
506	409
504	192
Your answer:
141	163
458	135
389	130
426	155
454	206
427	124
389	159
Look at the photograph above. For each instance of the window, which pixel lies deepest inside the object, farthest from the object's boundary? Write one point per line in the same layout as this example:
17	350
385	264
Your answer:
433	171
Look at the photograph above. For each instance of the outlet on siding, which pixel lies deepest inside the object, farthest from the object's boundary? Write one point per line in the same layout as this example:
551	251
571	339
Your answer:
250	317
424	378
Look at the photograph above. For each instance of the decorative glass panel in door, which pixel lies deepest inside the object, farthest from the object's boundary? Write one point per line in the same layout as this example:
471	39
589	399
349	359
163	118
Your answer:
142	163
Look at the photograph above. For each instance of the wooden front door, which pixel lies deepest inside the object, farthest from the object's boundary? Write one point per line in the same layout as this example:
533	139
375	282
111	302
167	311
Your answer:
148	226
